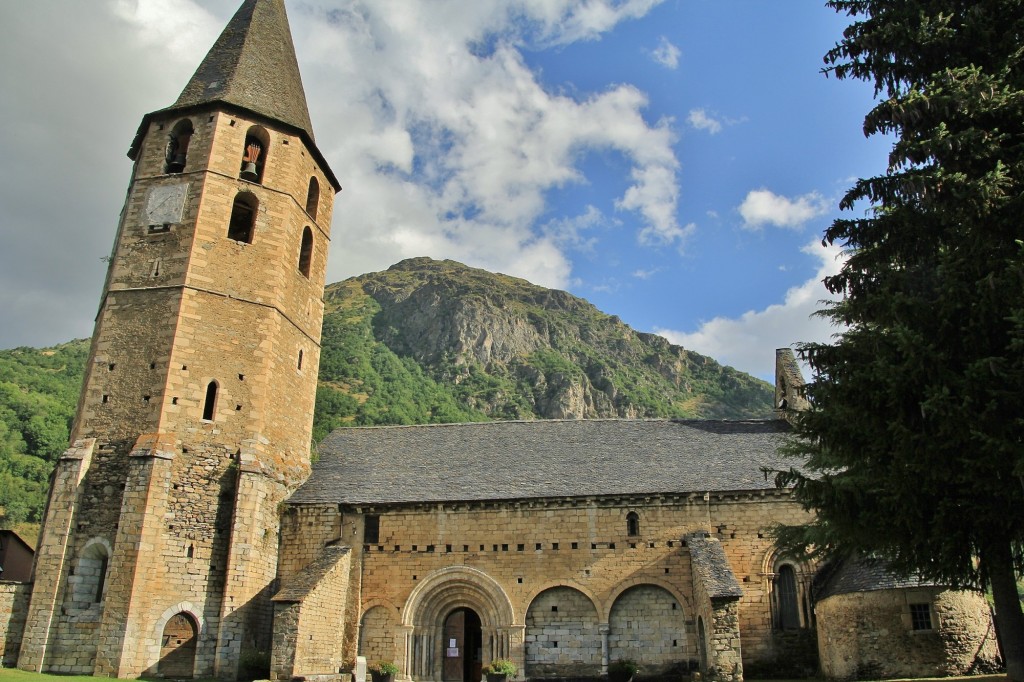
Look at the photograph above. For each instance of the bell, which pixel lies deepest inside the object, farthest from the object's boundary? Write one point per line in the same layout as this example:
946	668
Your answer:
178	164
249	172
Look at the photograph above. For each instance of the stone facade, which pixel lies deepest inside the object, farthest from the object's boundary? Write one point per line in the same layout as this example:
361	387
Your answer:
559	585
13	607
872	635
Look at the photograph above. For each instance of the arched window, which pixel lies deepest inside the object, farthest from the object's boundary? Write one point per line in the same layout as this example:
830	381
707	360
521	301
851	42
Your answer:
306	251
243	217
632	524
313	198
177	146
785	599
254	154
89	579
210	404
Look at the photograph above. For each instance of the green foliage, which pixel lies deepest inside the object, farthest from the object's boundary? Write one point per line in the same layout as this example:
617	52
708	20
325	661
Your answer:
38	393
382	668
501	666
913	444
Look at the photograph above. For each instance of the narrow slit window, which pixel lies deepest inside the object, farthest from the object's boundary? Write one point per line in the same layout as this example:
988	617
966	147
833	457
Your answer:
313	198
300	359
210	405
632	524
306	252
787	613
243	217
101	583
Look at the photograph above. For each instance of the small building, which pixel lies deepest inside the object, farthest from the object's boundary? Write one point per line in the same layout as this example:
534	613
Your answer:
873	624
15	558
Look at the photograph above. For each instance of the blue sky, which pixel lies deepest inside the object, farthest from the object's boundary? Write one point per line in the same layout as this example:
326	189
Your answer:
673	162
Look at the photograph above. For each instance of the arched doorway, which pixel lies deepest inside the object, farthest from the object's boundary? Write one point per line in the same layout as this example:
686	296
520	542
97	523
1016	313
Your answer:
463	646
178	647
441	594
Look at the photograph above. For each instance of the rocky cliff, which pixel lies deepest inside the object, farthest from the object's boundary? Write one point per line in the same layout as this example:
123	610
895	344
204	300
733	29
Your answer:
484	345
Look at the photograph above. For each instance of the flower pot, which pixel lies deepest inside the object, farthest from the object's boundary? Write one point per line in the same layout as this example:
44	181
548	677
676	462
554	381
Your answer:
382	677
496	677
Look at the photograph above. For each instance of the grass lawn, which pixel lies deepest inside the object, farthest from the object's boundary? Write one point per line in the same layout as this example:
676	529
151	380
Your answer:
14	675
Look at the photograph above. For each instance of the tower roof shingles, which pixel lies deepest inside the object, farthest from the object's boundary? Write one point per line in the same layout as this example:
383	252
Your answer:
253	66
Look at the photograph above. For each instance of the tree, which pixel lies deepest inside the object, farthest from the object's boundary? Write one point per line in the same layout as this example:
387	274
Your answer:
912	447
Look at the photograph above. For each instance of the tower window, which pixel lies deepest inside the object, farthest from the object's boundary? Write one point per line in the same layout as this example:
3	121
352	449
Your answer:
306	251
300	359
254	154
210	405
177	146
632	524
243	217
313	198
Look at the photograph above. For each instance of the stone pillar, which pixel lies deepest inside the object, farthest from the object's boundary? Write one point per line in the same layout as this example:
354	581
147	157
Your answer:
52	560
605	630
128	641
251	565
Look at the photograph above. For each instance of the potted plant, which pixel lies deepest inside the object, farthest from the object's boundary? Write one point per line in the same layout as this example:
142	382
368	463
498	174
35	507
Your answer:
383	671
622	670
500	670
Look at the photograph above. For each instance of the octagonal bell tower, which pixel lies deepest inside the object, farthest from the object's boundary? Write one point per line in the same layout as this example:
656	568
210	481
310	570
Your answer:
159	544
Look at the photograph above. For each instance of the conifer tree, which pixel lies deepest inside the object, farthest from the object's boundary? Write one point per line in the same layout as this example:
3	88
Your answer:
913	445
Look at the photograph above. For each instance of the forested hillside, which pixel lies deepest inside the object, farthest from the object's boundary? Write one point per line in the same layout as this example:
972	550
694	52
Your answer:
424	341
38	392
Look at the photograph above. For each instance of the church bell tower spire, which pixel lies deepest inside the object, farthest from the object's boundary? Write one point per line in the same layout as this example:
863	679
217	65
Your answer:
159	545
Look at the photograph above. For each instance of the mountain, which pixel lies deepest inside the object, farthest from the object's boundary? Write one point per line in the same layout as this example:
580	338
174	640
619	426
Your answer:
424	341
437	341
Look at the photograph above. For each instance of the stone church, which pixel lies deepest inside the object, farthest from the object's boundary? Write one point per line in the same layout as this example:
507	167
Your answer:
187	535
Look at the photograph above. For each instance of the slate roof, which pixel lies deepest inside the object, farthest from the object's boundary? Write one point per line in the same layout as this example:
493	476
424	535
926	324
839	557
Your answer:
543	458
712	567
253	65
866	574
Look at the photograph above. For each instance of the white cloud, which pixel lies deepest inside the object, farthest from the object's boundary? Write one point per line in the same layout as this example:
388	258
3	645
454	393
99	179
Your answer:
748	342
666	54
445	140
646	274
763	207
462	144
701	120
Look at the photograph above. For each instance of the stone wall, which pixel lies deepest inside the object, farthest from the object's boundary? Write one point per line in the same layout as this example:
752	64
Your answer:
869	635
522	550
13	609
309	623
563	635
